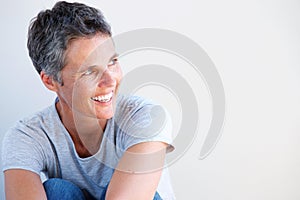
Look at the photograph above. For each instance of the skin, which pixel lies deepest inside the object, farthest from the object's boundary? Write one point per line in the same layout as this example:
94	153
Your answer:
91	70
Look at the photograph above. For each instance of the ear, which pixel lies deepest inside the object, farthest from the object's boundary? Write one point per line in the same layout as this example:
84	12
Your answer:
48	81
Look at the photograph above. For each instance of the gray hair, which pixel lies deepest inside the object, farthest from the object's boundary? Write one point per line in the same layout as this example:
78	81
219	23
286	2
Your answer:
51	31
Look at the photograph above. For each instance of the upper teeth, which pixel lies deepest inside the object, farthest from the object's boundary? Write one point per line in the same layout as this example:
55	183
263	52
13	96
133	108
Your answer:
103	98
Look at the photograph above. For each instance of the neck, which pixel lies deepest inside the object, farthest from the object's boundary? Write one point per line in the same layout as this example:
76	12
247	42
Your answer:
86	132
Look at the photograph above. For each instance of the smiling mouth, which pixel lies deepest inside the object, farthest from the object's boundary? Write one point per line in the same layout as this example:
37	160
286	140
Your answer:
103	98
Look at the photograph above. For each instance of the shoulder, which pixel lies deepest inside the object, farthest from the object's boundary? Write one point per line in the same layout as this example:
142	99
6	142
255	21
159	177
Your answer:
137	111
131	103
25	145
129	106
29	127
141	119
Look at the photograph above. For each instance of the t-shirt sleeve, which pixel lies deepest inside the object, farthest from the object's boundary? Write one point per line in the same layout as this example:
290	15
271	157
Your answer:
148	122
20	150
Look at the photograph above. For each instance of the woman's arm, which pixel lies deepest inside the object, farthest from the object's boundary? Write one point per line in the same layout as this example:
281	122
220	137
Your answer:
138	172
23	185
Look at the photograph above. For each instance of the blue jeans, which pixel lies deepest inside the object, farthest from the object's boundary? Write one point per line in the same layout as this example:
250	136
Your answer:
65	190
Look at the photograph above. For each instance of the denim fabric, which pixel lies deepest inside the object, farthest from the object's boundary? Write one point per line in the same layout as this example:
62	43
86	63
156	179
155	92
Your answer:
65	190
56	188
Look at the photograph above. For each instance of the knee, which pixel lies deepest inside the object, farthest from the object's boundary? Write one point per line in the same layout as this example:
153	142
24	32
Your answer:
56	188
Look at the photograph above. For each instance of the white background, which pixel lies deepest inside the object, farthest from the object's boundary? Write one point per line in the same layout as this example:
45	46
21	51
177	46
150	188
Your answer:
255	45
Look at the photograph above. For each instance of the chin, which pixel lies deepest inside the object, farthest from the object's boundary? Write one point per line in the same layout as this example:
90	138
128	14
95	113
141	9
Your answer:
105	115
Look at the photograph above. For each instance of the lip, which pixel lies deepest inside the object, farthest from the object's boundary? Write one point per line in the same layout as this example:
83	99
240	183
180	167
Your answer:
104	93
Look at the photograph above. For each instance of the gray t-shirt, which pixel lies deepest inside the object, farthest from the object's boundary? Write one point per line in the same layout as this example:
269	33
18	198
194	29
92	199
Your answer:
41	144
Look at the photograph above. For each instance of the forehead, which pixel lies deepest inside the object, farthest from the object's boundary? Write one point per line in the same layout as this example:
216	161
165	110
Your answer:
82	51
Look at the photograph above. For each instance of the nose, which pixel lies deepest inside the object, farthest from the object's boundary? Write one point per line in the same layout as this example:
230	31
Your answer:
106	79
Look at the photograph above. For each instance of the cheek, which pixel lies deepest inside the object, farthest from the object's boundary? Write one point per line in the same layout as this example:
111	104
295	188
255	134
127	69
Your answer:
119	75
81	94
82	91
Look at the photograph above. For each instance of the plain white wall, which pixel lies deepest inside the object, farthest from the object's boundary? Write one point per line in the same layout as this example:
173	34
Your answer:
255	45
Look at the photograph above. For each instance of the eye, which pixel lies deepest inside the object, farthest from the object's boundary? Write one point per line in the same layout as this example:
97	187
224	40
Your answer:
88	72
113	62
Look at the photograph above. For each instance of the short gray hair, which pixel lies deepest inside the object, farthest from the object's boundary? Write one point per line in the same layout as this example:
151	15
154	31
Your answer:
51	31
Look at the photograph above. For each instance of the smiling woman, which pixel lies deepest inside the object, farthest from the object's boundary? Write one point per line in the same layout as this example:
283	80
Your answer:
255	46
88	140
